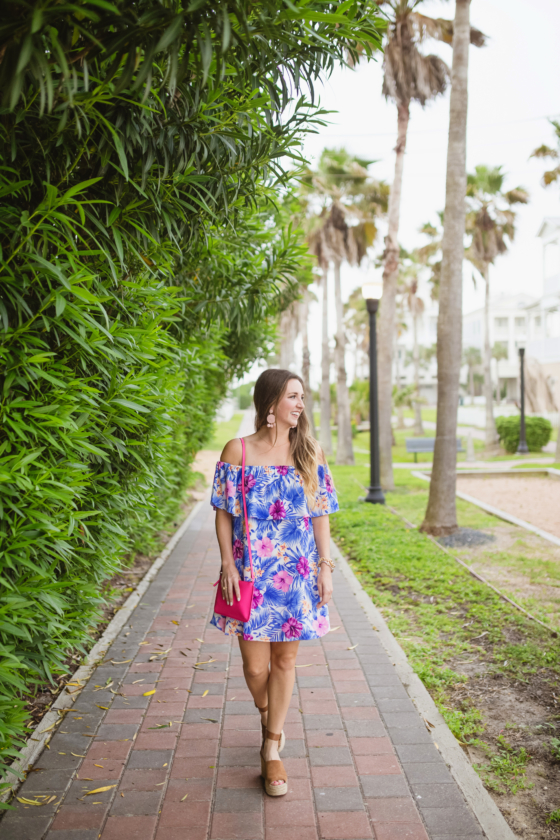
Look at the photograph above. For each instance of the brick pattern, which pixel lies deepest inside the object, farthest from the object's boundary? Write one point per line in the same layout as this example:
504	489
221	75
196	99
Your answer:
167	725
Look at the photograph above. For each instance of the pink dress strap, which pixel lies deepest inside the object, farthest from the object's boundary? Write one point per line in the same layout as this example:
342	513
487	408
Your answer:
245	507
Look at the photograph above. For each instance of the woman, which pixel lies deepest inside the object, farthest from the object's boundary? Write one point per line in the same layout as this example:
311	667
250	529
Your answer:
289	494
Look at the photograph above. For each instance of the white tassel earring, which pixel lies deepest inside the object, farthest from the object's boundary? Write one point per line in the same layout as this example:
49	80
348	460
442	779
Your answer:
271	421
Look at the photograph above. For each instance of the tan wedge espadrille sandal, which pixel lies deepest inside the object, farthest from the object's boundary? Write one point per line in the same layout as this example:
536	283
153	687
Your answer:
273	771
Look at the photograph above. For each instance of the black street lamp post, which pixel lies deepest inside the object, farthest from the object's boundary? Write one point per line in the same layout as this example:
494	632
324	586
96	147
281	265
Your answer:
372	293
522	449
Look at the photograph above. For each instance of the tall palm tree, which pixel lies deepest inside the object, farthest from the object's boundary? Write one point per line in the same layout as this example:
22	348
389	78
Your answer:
408	288
491	223
441	513
472	358
348	229
409	76
306	358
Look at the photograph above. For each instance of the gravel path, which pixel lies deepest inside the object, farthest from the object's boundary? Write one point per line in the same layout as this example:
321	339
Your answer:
534	499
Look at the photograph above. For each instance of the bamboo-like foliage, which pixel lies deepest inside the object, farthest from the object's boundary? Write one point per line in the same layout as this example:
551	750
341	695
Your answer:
142	263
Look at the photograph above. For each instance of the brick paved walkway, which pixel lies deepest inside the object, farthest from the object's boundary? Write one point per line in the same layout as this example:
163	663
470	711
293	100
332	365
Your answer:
174	735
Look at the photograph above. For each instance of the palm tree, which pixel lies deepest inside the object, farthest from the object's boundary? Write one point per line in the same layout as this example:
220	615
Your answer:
409	76
441	513
544	151
409	288
472	358
491	223
499	353
356	320
344	235
306	361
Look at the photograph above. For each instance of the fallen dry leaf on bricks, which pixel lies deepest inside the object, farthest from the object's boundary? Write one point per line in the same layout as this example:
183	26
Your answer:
335	628
99	790
353	647
184	797
205	693
147	693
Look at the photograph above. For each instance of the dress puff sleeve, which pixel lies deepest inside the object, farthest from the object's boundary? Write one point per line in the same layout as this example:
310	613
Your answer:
326	500
225	489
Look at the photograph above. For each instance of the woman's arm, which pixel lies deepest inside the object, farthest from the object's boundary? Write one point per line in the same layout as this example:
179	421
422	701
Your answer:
230	575
322	533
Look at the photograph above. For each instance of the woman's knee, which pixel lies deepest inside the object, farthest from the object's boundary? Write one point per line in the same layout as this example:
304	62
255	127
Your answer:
254	670
285	662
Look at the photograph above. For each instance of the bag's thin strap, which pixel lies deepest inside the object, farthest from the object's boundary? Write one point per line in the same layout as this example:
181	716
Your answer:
245	508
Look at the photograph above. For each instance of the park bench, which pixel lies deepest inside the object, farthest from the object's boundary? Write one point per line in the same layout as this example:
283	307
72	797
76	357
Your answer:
426	445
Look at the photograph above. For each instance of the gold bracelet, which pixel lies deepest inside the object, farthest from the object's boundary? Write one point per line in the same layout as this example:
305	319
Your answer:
328	561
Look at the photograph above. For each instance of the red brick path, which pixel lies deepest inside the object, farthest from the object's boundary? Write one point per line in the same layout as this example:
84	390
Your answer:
182	763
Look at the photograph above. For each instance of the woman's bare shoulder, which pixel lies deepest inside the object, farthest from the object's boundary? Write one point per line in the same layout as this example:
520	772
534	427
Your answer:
232	453
321	458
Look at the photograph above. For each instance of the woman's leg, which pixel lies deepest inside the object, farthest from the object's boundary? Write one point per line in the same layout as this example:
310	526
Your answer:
280	687
256	660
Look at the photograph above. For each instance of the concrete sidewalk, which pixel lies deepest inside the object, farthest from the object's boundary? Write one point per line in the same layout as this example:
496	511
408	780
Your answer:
167	726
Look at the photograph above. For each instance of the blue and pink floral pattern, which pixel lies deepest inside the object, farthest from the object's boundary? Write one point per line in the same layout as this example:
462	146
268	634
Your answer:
285	557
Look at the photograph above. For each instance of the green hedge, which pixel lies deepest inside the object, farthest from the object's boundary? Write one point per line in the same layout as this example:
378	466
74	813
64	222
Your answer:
144	258
538	432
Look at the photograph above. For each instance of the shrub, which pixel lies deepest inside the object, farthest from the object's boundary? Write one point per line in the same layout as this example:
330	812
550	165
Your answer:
537	431
143	262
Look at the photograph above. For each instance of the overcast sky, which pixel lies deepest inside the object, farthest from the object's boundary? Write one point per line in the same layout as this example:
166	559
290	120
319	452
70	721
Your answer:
513	91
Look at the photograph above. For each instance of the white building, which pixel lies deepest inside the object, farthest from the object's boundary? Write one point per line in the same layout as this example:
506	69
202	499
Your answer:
544	315
509	323
523	320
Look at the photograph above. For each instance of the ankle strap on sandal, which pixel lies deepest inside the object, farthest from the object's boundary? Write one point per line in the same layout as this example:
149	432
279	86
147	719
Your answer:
272	736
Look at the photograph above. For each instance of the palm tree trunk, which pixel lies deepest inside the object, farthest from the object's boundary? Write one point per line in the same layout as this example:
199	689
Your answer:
306	361
288	335
418	427
325	438
387	310
344	451
400	408
491	436
441	514
471	383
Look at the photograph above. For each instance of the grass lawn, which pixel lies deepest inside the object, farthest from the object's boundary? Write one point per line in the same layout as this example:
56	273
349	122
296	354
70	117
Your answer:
472	650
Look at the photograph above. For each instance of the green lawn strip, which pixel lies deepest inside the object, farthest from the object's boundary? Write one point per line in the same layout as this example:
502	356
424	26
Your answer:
223	432
538	465
439	613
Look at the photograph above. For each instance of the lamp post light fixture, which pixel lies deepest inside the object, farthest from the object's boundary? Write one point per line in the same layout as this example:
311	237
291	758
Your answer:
372	292
522	449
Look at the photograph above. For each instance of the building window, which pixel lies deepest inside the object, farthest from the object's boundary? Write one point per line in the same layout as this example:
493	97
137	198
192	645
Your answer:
537	322
520	325
501	323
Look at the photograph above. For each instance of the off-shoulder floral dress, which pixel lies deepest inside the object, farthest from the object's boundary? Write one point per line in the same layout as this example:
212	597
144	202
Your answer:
285	556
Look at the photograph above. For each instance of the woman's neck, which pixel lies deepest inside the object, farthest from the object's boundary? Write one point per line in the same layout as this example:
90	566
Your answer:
275	438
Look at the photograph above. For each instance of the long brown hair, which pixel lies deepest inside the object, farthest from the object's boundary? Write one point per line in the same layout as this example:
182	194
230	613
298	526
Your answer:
270	387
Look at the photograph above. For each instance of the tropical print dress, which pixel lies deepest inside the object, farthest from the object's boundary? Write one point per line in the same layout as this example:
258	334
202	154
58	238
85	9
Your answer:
285	556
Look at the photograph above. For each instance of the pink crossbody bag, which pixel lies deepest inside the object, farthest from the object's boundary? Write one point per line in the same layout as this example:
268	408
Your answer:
241	610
